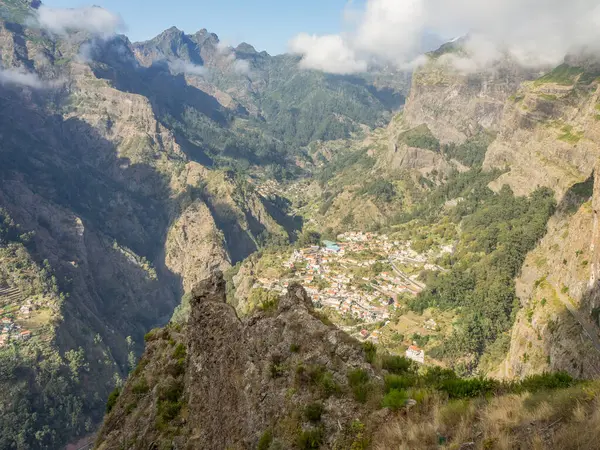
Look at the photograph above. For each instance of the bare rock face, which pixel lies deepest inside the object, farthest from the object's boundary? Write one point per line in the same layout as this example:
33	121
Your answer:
195	246
457	105
244	378
549	136
557	328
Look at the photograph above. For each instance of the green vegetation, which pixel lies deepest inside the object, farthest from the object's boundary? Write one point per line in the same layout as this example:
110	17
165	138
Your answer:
381	189
310	439
570	136
497	232
358	158
563	74
395	399
267	301
358	380
421	137
264	443
313	412
309	238
370	351
320	378
112	399
169	403
472	152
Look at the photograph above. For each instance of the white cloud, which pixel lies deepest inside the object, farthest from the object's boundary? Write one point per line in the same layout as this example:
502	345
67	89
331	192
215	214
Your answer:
241	66
181	66
21	77
92	19
535	32
330	53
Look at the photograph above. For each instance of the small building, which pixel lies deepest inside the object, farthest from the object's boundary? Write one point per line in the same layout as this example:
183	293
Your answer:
25	335
364	333
416	354
331	247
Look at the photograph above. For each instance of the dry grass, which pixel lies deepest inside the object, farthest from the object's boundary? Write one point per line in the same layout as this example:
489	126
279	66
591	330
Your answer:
568	419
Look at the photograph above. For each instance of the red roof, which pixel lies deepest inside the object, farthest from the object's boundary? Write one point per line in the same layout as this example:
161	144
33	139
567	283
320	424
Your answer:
414	348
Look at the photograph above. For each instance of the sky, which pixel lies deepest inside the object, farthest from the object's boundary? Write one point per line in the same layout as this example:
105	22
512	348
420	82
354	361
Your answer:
266	24
349	36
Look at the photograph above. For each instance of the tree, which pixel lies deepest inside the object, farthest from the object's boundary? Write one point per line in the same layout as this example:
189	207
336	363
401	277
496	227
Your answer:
308	238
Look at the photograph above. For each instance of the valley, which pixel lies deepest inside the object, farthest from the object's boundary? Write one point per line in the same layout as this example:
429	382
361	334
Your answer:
362	223
361	283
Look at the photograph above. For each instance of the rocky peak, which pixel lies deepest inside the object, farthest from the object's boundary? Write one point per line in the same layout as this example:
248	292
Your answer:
204	37
243	378
457	104
246	48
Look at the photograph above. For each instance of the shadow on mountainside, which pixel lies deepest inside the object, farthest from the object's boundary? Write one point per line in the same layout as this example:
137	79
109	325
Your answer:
99	221
172	98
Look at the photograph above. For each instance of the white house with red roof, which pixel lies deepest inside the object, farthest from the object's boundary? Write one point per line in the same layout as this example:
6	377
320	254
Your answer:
416	354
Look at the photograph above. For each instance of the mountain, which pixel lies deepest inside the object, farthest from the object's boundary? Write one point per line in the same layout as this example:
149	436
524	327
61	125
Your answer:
293	105
109	215
131	172
501	171
284	378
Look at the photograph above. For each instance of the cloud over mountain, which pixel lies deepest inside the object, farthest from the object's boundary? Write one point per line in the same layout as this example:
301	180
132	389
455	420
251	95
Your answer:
330	53
532	31
92	19
20	77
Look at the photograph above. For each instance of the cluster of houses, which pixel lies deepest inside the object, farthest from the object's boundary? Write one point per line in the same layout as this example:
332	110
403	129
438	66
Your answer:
330	276
325	272
11	331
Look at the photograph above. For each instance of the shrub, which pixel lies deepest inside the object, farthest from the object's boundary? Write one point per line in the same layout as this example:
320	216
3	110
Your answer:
265	440
180	351
313	412
358	376
397	364
141	387
435	376
395	399
151	335
359	383
360	441
294	348
370	351
468	388
277	370
112	399
171	392
328	385
546	381
310	439
168	410
399	382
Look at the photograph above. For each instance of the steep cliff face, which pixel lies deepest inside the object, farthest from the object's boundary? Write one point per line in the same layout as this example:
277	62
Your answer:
118	212
558	328
458	104
222	382
549	135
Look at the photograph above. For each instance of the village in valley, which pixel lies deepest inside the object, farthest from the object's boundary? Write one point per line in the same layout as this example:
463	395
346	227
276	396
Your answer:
361	282
15	315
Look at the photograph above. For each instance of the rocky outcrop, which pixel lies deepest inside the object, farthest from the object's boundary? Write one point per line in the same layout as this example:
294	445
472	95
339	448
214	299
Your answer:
457	104
195	246
557	328
549	135
244	381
